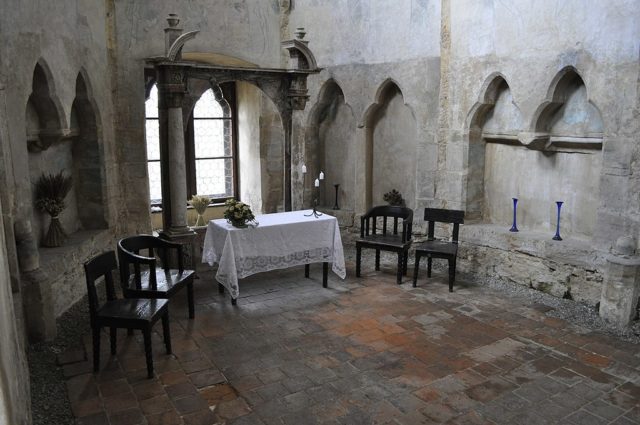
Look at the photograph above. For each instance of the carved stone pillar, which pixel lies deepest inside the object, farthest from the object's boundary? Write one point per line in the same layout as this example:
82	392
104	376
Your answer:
171	90
621	286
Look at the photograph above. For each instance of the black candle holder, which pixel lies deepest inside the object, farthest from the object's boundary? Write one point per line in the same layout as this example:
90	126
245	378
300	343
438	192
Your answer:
315	212
335	206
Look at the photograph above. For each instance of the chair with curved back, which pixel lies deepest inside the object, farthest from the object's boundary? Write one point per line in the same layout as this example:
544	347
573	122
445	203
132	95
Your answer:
153	281
386	239
130	313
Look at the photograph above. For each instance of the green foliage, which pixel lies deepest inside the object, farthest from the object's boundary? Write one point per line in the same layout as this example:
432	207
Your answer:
50	190
238	212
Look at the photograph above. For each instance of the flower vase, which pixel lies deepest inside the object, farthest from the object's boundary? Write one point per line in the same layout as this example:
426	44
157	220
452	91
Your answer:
557	237
514	226
55	235
242	223
200	220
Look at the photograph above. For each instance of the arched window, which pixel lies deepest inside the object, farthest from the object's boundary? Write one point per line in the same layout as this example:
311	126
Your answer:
153	146
209	145
210	159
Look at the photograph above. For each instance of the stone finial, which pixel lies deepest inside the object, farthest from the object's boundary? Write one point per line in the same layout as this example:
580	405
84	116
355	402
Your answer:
173	20
626	246
300	33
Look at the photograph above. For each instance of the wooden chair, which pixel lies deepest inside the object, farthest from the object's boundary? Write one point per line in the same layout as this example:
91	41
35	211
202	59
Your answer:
130	313
433	248
155	282
386	240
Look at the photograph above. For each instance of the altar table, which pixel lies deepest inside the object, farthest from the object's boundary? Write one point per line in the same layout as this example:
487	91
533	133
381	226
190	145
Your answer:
280	240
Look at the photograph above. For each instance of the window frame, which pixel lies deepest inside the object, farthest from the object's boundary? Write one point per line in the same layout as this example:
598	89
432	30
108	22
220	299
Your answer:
229	94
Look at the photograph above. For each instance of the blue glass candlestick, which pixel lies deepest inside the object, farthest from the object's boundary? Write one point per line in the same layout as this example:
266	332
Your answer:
514	226
557	235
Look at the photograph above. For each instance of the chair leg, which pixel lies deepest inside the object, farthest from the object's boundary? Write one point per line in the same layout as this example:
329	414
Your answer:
429	259
147	351
192	310
113	335
405	261
325	274
306	271
400	266
96	348
415	271
358	258
377	260
452	273
166	332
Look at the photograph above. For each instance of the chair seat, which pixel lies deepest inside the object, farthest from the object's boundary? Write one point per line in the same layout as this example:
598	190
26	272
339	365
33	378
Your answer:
133	309
168	281
390	241
438	247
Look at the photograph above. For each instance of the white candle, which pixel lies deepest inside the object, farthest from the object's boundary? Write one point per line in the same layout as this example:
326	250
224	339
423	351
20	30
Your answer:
304	169
321	175
317	183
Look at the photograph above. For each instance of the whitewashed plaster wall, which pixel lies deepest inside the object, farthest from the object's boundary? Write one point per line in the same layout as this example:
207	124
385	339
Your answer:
248	99
529	43
363	46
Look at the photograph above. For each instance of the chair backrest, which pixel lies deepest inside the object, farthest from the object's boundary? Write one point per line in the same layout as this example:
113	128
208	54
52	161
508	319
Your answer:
97	267
129	253
368	222
438	215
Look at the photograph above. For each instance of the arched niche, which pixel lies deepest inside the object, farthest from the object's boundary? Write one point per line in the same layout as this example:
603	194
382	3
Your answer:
391	140
74	149
331	147
88	159
496	121
568	119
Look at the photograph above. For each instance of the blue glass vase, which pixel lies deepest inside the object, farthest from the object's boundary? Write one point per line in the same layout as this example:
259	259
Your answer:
557	235
514	226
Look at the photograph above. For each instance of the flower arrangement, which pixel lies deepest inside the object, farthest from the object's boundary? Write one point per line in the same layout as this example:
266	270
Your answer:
393	197
50	191
200	204
238	213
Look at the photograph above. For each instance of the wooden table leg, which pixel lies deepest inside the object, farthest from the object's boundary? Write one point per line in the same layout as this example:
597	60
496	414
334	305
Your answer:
234	301
306	271
220	288
325	273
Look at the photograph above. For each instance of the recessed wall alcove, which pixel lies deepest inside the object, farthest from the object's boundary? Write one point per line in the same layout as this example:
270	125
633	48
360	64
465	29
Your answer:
73	149
391	134
331	148
559	161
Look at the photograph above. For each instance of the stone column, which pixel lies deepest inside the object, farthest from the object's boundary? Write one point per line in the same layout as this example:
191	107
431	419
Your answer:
171	91
621	286
297	158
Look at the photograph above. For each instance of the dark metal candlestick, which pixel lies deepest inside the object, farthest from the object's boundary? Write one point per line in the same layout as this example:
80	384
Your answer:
335	206
315	212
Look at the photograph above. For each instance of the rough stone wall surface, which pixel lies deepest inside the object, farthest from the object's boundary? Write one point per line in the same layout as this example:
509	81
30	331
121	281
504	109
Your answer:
15	404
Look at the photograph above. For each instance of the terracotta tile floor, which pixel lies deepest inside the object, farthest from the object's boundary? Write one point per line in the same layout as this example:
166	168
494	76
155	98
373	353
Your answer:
363	351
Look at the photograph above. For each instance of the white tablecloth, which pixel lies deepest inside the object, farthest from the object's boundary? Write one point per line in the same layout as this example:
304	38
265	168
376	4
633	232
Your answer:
280	240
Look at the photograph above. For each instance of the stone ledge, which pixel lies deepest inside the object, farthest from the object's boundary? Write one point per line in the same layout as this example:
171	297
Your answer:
572	251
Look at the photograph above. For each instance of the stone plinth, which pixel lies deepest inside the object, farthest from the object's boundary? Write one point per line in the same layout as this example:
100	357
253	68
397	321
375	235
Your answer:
621	286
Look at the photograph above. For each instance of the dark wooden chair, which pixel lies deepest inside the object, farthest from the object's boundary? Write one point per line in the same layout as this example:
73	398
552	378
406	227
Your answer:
386	239
155	281
433	248
129	313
